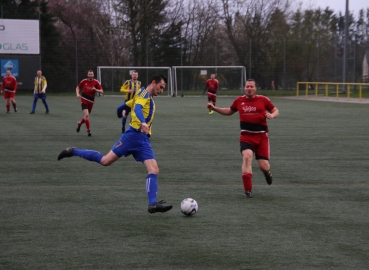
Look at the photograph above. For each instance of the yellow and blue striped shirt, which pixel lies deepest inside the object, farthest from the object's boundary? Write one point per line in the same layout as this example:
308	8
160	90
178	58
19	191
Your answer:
129	84
144	99
40	83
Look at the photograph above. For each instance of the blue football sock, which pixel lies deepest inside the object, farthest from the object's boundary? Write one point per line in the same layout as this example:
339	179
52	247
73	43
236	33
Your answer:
34	105
90	155
124	120
46	106
152	188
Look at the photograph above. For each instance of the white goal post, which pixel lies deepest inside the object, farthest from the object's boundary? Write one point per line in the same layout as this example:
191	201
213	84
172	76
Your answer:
112	77
212	69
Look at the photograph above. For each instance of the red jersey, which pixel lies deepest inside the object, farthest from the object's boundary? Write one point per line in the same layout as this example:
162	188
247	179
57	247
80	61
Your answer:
212	85
252	113
88	92
9	84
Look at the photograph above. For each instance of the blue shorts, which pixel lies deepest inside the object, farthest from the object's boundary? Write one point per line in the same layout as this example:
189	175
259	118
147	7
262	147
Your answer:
134	143
41	95
121	108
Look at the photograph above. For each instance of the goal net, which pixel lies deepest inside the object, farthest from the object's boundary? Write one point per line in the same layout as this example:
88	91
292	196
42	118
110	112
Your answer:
191	80
112	77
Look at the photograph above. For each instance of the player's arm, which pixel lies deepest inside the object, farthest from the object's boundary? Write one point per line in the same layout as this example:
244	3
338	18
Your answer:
35	85
15	85
2	86
99	90
223	111
44	88
129	103
273	113
138	108
77	92
206	88
125	87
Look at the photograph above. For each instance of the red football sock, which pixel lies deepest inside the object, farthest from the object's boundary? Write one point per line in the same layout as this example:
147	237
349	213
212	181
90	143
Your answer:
247	181
87	121
82	121
8	107
14	105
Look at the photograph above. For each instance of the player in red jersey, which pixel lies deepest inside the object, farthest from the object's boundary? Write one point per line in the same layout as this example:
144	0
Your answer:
212	86
89	87
9	87
253	110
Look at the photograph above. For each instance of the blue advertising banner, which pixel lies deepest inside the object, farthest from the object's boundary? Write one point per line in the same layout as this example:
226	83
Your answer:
23	67
10	64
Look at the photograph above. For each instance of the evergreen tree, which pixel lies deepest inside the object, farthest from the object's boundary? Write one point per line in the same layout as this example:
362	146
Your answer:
52	57
150	31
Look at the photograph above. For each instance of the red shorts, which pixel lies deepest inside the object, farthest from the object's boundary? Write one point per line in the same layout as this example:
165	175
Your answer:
86	105
257	142
212	97
9	94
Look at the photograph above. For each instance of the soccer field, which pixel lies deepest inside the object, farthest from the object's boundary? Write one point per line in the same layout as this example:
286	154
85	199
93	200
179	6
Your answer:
75	214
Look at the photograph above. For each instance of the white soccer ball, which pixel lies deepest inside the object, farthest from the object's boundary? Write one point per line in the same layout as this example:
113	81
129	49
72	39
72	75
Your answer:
189	207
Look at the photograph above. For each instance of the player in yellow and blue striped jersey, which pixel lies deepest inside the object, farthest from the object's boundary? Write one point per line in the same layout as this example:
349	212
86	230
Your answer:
130	87
39	92
135	141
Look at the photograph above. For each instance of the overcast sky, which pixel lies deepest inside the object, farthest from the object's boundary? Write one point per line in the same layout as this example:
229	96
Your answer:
339	5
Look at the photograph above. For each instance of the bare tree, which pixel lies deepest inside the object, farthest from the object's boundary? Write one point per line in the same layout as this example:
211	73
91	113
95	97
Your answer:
86	26
200	31
248	26
147	23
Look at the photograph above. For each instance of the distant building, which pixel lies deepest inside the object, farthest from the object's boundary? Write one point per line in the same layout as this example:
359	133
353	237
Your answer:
366	67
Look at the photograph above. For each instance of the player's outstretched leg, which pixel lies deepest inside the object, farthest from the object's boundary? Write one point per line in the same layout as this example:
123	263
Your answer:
66	153
89	155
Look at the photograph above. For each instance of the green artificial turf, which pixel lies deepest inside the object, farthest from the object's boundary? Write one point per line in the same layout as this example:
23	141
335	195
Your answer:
75	214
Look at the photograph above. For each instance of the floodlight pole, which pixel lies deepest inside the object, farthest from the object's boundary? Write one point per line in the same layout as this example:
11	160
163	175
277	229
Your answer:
39	34
345	46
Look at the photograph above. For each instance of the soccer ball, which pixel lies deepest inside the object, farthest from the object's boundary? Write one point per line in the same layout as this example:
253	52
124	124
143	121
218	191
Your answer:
189	207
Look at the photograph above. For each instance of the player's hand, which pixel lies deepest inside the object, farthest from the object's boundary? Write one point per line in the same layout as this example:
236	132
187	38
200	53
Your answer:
130	91
269	116
210	106
78	96
145	128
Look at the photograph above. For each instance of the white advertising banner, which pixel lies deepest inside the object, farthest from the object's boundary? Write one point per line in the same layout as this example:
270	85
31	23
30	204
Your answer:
19	36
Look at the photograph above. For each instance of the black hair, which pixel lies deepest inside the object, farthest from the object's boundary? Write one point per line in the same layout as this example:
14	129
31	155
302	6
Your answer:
252	80
157	78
